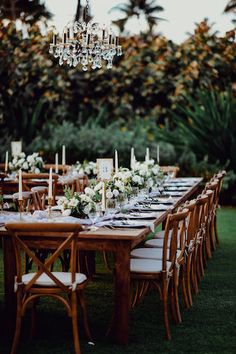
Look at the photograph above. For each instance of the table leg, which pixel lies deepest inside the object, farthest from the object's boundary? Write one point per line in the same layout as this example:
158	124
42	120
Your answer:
119	329
9	276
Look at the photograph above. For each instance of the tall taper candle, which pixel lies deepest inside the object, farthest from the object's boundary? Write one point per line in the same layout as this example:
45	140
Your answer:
116	161
132	159
56	162
103	197
63	155
20	197
50	184
147	157
6	162
158	154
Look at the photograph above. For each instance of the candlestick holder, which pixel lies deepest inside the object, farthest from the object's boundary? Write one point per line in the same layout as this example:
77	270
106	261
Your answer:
50	202
21	208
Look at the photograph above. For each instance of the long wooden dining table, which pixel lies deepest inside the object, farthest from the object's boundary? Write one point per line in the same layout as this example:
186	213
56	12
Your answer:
119	241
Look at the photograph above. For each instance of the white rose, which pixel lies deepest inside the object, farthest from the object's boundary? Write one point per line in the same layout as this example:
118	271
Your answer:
25	166
87	208
73	202
98	186
37	170
109	194
115	192
89	191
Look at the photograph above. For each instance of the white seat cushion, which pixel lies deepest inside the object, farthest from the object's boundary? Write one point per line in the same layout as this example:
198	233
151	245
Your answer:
150	253
155	242
64	278
146	265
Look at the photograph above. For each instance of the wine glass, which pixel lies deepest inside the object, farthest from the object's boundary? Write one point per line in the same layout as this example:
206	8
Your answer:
94	216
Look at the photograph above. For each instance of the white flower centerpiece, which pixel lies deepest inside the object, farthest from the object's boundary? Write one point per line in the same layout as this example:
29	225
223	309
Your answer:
31	163
87	167
79	204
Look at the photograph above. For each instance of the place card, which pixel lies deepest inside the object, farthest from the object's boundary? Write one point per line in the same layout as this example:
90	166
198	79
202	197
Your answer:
105	169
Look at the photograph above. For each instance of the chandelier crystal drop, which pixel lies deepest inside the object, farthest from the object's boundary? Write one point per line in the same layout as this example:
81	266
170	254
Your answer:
86	44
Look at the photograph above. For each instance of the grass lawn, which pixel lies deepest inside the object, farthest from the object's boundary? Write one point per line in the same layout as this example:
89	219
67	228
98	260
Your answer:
207	328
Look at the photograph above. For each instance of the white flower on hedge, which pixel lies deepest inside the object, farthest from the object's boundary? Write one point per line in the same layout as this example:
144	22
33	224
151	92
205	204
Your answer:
66	212
115	192
89	191
109	194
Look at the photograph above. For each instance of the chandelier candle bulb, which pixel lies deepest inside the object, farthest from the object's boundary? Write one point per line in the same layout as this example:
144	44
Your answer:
63	155
6	162
56	162
50	184
20	197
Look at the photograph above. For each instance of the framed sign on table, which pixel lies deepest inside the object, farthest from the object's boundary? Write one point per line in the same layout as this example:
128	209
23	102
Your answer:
16	148
105	169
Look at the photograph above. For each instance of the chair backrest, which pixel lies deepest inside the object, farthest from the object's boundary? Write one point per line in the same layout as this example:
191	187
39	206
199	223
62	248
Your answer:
41	192
202	212
62	236
191	219
30	180
30	201
61	168
176	232
170	169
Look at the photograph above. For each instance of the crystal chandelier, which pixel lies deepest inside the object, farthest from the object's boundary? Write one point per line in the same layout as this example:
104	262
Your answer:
86	44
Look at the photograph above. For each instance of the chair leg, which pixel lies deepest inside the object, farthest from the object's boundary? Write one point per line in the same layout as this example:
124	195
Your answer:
74	318
212	234
176	294
33	318
188	279
173	308
216	232
184	286
202	272
165	308
85	316
18	326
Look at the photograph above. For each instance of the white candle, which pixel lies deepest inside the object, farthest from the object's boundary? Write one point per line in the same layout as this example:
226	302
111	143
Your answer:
116	161
158	154
20	197
103	197
147	158
56	162
63	155
50	184
132	159
6	161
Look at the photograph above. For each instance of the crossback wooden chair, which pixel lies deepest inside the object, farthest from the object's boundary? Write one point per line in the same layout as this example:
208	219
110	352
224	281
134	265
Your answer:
30	201
220	178
30	180
213	185
41	193
66	287
173	170
201	234
161	273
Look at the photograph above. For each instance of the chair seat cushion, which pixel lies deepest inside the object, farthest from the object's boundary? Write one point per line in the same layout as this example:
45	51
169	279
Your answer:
156	242
146	265
64	278
149	253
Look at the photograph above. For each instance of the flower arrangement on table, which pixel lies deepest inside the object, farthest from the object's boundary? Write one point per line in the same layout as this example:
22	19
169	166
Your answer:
87	167
79	204
31	163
